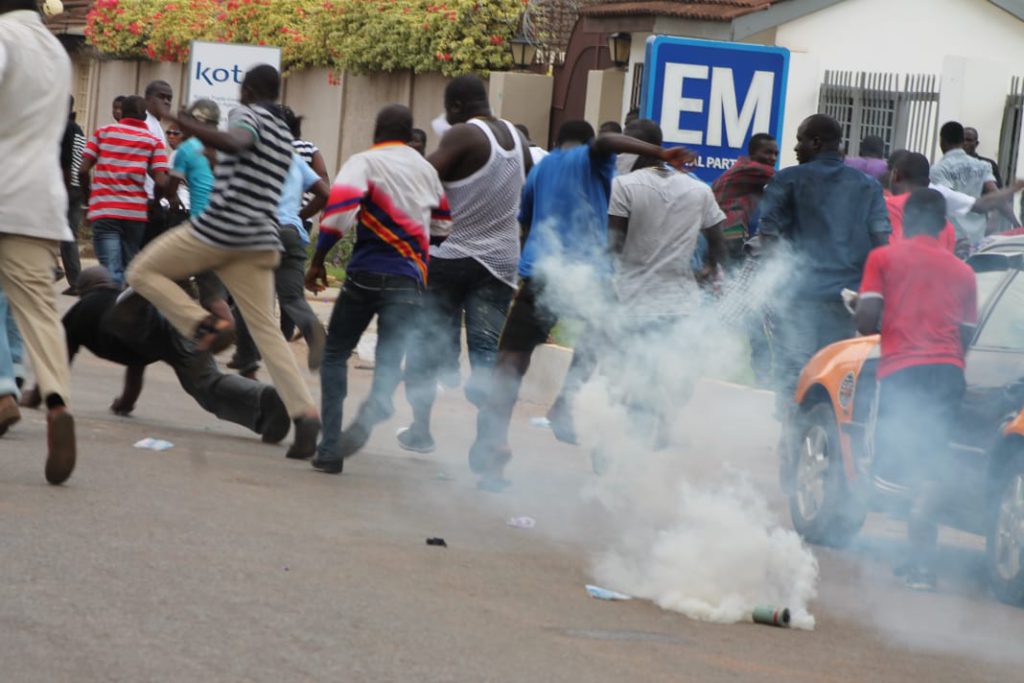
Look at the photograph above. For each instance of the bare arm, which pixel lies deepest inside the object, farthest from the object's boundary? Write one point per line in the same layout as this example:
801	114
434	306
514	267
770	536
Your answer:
613	143
618	226
319	166
455	144
83	174
717	254
320	194
232	141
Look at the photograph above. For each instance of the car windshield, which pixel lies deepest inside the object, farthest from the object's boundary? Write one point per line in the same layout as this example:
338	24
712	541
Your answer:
988	282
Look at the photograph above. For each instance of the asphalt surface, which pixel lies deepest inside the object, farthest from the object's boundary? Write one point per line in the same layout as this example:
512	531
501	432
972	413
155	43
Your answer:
220	560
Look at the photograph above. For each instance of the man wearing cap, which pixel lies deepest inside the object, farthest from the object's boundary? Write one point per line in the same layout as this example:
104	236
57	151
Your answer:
193	163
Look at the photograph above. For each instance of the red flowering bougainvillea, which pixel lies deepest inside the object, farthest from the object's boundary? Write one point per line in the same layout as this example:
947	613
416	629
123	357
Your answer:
452	37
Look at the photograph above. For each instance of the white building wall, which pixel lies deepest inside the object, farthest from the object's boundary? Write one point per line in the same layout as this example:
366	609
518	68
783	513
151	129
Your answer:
955	39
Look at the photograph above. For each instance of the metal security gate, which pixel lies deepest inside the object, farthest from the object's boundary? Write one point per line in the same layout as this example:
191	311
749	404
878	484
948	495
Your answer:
903	110
1009	136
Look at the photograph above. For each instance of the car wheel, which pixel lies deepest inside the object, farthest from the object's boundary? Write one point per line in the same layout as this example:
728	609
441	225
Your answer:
1005	546
821	505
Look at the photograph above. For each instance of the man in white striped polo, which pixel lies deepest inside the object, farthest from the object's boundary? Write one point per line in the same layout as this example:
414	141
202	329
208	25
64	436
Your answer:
237	238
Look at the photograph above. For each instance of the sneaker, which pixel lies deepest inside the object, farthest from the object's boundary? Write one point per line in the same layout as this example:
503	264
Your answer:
70	291
9	413
274	421
307	429
60	439
920	579
415	442
353	439
328	466
560	417
316	347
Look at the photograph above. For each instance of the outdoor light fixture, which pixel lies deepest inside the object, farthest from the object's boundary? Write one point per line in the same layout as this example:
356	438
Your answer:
524	51
618	46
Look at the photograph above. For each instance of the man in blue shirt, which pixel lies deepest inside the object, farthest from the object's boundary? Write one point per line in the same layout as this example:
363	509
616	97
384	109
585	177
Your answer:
564	215
290	276
831	216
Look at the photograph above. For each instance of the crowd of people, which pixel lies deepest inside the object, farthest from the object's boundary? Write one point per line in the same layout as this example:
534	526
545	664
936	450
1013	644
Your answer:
199	227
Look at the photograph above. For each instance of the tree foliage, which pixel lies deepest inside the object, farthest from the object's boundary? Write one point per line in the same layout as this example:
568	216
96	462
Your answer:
451	37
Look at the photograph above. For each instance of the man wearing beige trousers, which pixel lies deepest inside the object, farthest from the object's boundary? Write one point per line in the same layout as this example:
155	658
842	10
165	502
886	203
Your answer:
35	81
236	238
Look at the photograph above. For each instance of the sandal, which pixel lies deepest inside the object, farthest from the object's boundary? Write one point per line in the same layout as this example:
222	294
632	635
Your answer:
214	335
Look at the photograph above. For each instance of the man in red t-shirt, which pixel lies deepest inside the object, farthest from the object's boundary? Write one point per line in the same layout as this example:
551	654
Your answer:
929	298
123	155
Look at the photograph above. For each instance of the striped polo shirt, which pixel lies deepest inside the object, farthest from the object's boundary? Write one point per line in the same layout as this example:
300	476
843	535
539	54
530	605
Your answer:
125	154
242	213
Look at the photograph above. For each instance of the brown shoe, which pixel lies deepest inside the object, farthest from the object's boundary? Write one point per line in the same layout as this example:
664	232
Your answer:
9	413
60	438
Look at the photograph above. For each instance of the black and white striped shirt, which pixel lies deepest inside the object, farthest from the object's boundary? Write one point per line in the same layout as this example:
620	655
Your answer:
242	213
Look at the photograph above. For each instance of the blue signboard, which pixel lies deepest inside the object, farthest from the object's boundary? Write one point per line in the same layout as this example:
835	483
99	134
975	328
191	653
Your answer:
712	96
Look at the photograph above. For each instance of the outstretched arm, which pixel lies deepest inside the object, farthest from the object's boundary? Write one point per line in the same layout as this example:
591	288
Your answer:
613	143
233	140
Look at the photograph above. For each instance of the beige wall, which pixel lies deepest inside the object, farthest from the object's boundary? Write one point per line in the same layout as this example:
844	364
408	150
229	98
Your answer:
523	98
604	96
339	113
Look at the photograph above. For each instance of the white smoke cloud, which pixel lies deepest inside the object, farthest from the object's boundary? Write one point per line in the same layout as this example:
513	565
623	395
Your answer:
709	550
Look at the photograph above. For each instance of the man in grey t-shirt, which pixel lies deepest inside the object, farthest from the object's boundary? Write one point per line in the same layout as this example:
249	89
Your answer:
961	172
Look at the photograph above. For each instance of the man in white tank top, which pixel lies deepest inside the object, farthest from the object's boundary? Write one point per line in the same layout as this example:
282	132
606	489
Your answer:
482	162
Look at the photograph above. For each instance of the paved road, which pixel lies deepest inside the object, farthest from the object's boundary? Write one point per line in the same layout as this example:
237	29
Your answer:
220	560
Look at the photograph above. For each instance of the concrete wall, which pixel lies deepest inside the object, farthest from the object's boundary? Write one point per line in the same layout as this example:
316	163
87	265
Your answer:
523	98
604	96
338	112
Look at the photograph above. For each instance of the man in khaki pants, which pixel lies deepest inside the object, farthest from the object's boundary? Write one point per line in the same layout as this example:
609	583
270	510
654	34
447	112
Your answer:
35	81
237	238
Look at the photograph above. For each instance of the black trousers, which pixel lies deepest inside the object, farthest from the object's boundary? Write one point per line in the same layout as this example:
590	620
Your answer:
289	281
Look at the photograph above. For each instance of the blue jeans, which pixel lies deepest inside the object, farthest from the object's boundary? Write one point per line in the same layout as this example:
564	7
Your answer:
12	351
454	286
395	300
804	327
116	243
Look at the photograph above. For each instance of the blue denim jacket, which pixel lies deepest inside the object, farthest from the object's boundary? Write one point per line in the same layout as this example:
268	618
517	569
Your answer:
832	215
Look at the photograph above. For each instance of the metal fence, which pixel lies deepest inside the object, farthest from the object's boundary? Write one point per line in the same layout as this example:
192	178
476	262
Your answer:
901	109
1009	136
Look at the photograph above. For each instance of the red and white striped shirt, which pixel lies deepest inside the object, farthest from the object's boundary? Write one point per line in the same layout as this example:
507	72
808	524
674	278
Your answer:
125	153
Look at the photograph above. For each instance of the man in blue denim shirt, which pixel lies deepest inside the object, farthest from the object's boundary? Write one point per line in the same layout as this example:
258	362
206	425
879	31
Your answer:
831	216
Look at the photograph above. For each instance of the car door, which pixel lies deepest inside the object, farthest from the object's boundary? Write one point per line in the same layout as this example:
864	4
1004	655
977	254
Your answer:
995	380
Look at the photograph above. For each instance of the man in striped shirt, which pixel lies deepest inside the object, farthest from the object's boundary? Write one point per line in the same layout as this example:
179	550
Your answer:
237	238
124	155
390	194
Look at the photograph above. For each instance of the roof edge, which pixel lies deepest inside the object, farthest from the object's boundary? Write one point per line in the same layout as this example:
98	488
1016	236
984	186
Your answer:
1014	7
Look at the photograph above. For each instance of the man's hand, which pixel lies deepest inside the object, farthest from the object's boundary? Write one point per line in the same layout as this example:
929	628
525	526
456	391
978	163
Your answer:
316	277
122	407
678	157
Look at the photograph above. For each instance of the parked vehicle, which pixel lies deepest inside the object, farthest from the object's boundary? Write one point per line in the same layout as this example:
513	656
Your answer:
824	470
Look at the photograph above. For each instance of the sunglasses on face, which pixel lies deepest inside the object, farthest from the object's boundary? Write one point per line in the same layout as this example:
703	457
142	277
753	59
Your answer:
174	133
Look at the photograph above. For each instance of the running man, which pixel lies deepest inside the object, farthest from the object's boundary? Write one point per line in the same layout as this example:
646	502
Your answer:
390	194
483	162
564	214
236	237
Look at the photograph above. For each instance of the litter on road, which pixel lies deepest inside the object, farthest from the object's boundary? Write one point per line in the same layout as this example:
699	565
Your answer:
605	594
522	522
437	541
154	444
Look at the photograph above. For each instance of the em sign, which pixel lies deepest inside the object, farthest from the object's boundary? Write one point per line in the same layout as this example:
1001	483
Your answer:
215	70
713	96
